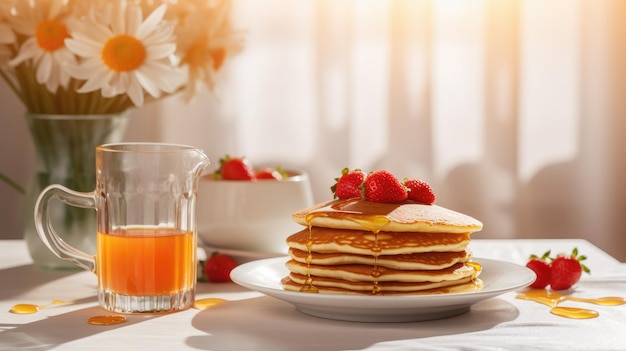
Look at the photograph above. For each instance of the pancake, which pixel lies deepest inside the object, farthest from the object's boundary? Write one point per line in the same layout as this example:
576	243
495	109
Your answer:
466	286
356	246
415	261
408	216
379	286
365	242
367	273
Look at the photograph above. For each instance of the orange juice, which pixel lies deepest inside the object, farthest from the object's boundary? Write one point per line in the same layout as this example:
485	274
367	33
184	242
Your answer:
146	262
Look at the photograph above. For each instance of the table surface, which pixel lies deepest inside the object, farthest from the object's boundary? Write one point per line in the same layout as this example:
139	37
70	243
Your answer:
252	321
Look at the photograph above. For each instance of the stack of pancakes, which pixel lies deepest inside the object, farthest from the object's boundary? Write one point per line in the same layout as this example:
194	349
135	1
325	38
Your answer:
360	247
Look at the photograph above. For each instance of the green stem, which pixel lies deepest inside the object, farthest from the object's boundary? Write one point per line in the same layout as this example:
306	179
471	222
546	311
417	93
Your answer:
10	182
38	99
12	85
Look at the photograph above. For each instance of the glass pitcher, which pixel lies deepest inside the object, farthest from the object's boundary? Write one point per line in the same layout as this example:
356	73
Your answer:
145	200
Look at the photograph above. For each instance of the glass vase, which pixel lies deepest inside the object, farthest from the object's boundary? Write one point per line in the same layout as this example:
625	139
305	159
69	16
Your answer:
65	154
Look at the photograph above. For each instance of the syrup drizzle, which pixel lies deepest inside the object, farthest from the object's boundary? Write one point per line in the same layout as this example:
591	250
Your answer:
553	299
376	271
375	224
308	286
27	308
369	221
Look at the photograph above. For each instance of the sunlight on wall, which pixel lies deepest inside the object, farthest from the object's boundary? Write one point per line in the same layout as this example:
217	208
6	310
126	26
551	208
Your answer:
550	85
332	74
276	62
369	76
458	83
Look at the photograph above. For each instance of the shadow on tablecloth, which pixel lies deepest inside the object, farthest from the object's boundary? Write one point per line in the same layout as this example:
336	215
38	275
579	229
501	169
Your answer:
15	281
267	323
56	330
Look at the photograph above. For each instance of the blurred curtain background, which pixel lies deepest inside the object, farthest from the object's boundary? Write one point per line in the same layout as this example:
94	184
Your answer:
513	110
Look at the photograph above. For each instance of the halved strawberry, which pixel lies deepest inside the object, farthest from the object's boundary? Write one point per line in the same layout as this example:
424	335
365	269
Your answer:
541	267
567	270
348	185
382	186
218	267
419	191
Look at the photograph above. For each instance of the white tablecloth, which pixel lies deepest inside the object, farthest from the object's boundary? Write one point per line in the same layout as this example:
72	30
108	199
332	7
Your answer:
252	321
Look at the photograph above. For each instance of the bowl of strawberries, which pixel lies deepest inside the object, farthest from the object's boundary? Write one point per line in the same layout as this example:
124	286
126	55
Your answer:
247	209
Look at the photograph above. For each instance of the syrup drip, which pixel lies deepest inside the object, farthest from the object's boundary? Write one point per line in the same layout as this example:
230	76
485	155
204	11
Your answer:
553	299
477	268
376	272
369	221
106	320
308	286
204	304
27	308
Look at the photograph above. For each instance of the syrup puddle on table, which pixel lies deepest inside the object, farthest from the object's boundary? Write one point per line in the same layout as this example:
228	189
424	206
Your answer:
27	308
106	320
204	304
553	299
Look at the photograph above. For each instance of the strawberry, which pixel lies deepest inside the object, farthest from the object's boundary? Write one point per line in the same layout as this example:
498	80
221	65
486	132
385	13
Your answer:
419	191
542	269
235	168
382	186
268	173
567	270
348	185
218	267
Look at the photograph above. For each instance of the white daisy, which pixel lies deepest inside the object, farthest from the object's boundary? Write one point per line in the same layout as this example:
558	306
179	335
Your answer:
7	37
123	53
42	22
202	45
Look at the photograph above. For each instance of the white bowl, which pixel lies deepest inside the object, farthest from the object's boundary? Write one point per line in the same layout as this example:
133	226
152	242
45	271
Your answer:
251	216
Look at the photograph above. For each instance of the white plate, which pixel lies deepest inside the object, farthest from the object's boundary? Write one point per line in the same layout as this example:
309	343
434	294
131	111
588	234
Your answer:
498	277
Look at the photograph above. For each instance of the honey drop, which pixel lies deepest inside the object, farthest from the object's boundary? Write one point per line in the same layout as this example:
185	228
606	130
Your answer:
27	308
573	312
106	320
308	286
24	308
203	304
376	289
309	289
477	266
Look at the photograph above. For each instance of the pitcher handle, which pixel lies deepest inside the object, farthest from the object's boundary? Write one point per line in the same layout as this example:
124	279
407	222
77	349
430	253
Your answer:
47	233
